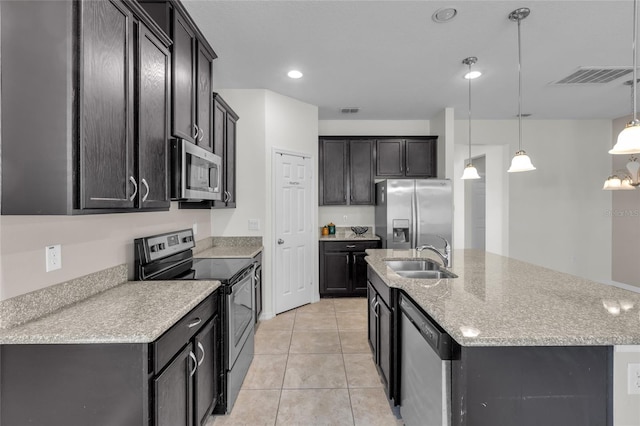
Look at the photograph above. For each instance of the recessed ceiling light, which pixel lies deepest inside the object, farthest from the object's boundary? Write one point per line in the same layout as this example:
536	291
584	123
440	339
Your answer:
294	74
473	74
444	15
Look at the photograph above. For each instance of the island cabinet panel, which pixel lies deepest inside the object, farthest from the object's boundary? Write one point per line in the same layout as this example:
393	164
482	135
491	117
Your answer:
529	386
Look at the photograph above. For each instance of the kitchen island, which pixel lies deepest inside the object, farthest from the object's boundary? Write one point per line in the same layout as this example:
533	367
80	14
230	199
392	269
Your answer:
529	342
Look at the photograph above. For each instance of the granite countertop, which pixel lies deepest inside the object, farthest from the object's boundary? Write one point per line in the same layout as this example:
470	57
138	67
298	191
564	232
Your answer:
230	252
133	312
344	235
498	301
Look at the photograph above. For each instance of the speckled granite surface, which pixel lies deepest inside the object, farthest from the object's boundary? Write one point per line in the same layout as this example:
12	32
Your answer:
498	301
344	233
27	307
134	312
232	247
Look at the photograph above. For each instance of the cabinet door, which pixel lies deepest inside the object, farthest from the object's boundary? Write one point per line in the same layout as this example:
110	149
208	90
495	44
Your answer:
390	157
333	172
203	105
361	184
230	161
183	92
421	158
384	342
258	290
106	106
153	135
335	273
359	273
219	122
173	403
206	377
372	321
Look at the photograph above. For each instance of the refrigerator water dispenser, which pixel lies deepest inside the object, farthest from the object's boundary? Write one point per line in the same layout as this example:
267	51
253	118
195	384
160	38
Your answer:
400	230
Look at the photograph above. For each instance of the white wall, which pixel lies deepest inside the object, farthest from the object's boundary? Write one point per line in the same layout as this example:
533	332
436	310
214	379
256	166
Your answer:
89	244
267	121
558	213
443	127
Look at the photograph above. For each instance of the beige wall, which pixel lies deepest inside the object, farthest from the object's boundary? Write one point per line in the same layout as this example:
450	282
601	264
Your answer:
89	244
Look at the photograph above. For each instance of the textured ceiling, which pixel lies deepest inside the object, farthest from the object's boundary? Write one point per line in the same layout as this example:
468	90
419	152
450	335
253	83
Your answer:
391	60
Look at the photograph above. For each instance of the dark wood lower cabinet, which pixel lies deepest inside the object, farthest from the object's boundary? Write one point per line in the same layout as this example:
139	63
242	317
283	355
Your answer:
381	335
343	270
172	381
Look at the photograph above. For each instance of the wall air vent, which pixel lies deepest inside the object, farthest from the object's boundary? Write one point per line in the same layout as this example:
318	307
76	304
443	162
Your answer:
594	75
349	110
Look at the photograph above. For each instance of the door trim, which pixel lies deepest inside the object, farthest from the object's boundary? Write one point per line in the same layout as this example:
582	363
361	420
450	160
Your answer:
313	238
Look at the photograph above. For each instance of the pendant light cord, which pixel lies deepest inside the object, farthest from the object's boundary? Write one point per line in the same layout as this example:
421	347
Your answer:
520	88
469	113
635	59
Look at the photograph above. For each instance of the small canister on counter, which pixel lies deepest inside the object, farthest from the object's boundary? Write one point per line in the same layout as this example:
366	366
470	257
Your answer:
325	230
332	229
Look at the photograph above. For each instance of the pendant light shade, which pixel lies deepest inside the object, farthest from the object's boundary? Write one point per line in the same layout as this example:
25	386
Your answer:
629	138
470	172
612	183
521	161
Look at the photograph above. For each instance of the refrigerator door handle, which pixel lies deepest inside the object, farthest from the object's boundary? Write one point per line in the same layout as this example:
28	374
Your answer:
417	217
414	221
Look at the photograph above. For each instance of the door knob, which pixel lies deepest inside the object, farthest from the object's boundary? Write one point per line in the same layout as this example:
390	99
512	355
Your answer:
280	241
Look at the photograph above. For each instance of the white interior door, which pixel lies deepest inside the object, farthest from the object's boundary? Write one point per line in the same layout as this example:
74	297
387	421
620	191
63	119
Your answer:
293	219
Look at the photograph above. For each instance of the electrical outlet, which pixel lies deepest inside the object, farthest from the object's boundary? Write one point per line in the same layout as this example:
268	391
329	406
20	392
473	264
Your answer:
254	224
53	255
345	218
633	378
195	229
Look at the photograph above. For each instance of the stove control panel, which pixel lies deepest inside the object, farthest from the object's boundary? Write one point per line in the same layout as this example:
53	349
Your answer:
163	245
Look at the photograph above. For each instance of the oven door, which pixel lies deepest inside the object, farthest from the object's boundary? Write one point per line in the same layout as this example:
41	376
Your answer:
240	308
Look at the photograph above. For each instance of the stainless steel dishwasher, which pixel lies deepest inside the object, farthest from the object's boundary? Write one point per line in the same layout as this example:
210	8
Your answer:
425	369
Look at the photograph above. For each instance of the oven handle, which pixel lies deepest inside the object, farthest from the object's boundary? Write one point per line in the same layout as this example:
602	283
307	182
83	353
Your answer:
196	322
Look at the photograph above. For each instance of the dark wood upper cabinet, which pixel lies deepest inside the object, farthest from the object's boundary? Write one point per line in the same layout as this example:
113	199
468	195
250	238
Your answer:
192	57
224	144
333	171
406	157
96	138
346	171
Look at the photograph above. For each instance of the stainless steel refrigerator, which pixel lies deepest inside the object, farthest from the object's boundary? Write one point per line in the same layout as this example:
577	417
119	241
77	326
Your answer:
413	212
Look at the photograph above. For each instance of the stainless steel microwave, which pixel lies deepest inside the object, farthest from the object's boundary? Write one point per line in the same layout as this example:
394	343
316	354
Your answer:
196	174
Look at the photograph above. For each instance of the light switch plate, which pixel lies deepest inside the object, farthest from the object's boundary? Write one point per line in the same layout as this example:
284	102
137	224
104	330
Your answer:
53	256
254	224
633	378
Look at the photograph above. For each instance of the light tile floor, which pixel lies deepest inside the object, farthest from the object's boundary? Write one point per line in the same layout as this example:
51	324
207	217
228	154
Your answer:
313	366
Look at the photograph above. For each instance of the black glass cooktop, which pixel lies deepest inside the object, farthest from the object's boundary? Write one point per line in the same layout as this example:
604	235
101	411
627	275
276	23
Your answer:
224	270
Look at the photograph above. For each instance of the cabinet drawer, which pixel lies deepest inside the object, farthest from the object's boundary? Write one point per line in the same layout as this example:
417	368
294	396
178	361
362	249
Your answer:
350	245
179	334
381	288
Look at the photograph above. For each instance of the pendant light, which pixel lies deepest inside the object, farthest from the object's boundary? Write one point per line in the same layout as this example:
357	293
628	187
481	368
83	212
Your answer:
470	172
521	161
629	138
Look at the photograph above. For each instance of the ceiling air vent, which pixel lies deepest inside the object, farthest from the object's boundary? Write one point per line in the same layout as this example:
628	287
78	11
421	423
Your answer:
349	110
594	75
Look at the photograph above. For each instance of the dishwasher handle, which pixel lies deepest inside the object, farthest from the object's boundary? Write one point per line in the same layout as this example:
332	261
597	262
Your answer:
437	338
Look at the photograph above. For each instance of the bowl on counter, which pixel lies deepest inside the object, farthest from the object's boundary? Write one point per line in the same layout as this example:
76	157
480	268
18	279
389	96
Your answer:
359	230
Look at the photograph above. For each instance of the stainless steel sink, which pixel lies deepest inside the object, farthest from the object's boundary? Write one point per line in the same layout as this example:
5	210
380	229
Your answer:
422	268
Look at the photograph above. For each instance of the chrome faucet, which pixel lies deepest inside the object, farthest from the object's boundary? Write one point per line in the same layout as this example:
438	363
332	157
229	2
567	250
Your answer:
446	256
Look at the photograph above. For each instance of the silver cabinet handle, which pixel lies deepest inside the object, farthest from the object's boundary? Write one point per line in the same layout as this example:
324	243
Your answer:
195	135
280	241
196	322
135	188
195	363
347	258
202	349
375	307
351	246
146	185
201	133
